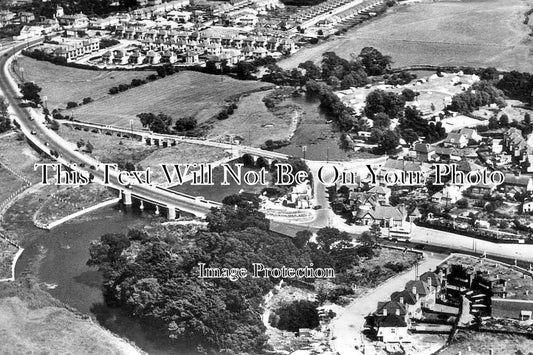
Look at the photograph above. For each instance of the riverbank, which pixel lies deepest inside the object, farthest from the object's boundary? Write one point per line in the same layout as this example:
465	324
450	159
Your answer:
31	321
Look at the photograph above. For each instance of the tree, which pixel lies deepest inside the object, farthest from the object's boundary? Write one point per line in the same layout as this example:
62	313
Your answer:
158	124
384	101
373	61
54	125
527	118
381	120
244	70
30	92
388	142
87	100
5	121
296	315
89	147
409	95
71	104
185	124
80	143
327	237
301	238
504	120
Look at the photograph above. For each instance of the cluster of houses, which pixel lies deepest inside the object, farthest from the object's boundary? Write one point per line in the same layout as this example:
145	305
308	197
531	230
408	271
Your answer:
156	46
393	319
493	289
431	303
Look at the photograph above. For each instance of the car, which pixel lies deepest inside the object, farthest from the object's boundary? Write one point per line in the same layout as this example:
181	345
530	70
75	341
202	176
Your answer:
92	167
33	132
82	165
317	207
30	118
46	144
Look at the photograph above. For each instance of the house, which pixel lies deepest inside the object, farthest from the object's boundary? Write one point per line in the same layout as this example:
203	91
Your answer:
76	21
391	307
119	57
28	32
424	152
301	195
385	216
456	140
152	57
515	144
482	189
135	58
26	17
422	291
410	302
391	329
383	193
400	166
192	58
527	206
450	194
471	135
169	57
107	57
521	183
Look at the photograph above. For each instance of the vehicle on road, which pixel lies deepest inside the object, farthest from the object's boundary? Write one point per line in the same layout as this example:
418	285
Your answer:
33	132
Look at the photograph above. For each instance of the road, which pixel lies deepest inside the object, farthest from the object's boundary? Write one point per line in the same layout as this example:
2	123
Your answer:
67	151
346	328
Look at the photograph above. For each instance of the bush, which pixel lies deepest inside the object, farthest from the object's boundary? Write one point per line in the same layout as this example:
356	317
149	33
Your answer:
296	315
87	100
71	104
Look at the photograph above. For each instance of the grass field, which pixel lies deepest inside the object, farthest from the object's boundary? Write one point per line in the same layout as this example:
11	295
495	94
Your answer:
183	94
31	322
254	122
71	200
474	343
63	84
19	156
473	32
110	149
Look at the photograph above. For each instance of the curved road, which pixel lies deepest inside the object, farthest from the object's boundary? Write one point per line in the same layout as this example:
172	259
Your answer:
31	121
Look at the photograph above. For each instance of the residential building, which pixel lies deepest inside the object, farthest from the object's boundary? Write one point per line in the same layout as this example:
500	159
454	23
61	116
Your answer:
424	152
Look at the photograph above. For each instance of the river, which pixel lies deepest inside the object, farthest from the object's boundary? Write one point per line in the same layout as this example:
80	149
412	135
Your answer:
57	258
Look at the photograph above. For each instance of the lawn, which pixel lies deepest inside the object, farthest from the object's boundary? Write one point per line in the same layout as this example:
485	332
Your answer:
186	93
476	33
63	84
32	322
109	149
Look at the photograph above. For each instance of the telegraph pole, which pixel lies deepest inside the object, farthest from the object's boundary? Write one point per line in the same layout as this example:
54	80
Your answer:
304	149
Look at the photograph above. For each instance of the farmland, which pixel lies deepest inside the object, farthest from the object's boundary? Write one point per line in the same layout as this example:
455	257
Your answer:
183	94
63	84
475	33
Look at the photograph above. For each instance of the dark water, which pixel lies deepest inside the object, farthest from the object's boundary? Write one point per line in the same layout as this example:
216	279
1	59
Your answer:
320	138
58	259
217	192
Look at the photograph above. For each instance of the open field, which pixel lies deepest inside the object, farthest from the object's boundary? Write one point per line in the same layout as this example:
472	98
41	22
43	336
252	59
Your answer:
474	32
19	156
253	122
70	200
63	84
476	343
183	94
31	322
109	149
